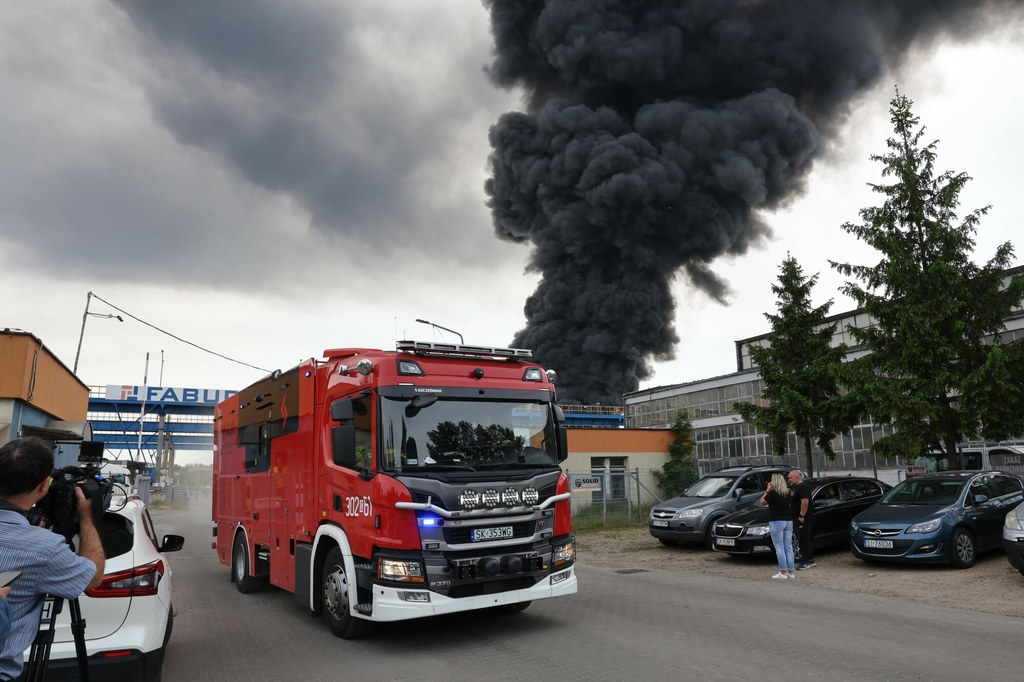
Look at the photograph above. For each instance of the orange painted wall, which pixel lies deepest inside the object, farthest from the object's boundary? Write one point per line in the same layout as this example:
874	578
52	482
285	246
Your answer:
30	373
626	441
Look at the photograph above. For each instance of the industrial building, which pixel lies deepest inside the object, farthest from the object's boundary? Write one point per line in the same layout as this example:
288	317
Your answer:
723	438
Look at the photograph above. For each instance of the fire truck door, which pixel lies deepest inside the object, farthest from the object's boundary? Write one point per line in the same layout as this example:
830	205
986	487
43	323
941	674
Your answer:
351	489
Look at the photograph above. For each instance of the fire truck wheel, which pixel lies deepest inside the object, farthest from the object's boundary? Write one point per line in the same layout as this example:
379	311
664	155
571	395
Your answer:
337	607
240	569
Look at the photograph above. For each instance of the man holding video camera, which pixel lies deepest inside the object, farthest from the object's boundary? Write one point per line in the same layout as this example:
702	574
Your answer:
48	565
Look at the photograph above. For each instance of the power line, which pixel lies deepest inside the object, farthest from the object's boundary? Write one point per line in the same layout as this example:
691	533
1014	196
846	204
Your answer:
173	336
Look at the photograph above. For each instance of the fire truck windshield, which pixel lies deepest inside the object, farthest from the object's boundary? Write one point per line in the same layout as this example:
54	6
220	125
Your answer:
466	435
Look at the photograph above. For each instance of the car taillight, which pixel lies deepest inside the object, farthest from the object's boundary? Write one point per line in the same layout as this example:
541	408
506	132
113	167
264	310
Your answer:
140	581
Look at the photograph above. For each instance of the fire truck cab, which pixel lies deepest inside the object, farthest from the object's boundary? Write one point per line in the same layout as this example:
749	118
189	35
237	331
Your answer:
390	485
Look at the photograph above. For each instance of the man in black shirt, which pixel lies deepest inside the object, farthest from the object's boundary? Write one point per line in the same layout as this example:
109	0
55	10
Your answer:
803	518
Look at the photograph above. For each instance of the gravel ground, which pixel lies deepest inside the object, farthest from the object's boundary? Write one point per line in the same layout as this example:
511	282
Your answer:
991	585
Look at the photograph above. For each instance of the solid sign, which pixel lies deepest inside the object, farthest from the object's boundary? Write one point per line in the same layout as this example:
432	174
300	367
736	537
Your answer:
585	481
168	396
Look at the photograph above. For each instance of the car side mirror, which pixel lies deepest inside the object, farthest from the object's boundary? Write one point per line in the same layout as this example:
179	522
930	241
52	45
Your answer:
980	499
172	543
739	492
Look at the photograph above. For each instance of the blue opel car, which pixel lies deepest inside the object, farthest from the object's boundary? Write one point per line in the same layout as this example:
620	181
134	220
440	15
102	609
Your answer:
946	517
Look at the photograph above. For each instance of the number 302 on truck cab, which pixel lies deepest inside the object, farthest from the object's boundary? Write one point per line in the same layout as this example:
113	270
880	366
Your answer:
389	485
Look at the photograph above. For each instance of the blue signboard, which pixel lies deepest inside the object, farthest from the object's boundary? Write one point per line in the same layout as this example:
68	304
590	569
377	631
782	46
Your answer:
162	395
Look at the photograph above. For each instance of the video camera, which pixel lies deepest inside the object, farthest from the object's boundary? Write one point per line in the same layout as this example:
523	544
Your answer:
58	510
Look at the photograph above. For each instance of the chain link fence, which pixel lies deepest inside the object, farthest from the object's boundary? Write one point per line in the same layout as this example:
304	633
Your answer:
612	497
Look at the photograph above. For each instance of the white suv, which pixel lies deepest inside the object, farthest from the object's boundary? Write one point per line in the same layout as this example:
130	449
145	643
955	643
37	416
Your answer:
128	619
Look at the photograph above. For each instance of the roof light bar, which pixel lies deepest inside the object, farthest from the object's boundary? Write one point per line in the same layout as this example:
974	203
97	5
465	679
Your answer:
434	348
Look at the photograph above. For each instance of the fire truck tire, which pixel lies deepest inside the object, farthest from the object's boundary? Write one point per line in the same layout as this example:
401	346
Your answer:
245	582
336	600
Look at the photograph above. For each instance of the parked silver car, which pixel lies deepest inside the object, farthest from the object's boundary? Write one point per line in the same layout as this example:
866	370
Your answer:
1013	537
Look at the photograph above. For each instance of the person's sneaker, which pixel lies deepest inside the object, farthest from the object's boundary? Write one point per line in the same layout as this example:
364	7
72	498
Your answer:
804	565
778	576
791	576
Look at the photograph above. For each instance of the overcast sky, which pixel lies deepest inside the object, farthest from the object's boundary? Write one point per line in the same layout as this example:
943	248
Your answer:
304	175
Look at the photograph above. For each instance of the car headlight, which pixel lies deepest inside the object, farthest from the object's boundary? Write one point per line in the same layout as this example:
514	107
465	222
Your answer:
853	525
1013	521
690	513
564	554
757	530
400	570
926	527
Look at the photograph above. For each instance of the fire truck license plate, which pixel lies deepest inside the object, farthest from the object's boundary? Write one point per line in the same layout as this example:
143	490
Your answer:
479	534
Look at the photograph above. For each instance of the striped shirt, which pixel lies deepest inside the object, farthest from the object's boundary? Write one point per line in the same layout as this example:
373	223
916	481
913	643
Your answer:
48	567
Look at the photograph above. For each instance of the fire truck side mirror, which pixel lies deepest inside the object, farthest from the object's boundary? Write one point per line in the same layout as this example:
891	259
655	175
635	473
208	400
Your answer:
560	434
563	444
343	446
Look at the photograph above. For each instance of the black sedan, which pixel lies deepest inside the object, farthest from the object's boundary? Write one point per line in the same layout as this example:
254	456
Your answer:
836	500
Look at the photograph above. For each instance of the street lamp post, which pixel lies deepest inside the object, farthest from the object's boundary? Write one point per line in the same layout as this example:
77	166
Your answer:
461	340
85	316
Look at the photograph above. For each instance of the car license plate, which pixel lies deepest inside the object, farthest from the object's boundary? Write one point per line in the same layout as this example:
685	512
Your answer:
878	544
726	542
498	533
660	524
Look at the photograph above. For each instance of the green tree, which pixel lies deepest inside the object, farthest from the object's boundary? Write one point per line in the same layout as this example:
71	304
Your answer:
800	371
679	472
929	370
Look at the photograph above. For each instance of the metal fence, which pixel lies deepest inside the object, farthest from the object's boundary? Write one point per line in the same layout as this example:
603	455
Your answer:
612	497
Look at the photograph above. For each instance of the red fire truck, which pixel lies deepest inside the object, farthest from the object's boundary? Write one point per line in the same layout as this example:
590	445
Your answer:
390	485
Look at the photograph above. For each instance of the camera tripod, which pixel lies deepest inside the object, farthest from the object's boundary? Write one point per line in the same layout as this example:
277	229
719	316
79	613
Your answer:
39	654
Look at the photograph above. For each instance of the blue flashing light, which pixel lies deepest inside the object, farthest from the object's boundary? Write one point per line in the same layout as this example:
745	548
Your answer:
429	521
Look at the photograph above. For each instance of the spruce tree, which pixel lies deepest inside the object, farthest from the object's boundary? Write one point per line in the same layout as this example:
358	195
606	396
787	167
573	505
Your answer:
929	370
800	371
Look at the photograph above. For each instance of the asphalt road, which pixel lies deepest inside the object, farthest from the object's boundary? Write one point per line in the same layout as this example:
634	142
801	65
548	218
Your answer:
622	625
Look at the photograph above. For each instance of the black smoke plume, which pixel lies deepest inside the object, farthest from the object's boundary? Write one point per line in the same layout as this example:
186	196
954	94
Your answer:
654	131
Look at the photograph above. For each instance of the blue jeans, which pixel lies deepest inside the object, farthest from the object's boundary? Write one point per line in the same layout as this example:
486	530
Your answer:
782	538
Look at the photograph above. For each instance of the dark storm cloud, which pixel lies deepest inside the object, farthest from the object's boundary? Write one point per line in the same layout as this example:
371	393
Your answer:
148	140
654	132
289	97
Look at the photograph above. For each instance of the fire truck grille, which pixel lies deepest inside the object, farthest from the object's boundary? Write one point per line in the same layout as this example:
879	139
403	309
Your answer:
491	587
461	535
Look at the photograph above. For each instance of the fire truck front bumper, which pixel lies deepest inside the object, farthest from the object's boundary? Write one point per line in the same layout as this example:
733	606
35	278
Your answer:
392	604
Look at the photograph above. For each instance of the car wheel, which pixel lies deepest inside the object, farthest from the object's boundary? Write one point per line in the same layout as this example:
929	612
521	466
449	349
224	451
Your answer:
337	608
709	541
170	626
963	552
240	568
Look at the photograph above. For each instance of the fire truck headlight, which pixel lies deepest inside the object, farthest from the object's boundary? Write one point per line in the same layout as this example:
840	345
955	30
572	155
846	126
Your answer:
469	499
400	570
564	554
490	498
510	497
530	496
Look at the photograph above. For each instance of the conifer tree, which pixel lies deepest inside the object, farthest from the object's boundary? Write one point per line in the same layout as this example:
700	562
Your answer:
800	371
929	371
